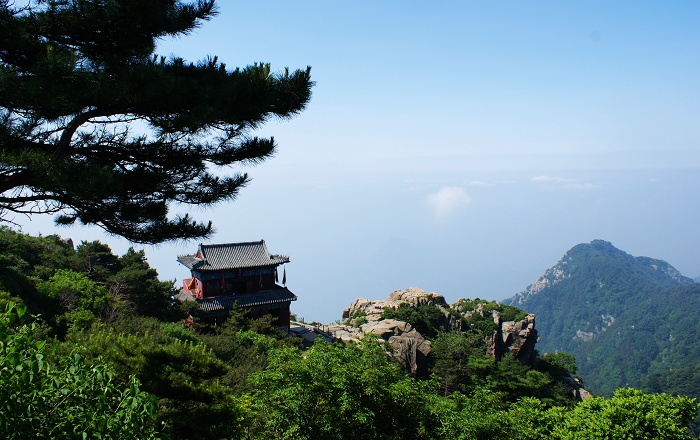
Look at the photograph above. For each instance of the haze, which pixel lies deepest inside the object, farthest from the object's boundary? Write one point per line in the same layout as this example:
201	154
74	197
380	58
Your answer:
461	147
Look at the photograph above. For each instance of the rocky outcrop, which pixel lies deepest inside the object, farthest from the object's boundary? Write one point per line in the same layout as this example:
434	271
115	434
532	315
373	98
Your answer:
516	337
577	391
368	310
365	317
417	297
412	295
407	344
552	276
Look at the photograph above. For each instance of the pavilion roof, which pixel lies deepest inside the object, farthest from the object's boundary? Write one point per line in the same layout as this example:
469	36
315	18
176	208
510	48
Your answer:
232	256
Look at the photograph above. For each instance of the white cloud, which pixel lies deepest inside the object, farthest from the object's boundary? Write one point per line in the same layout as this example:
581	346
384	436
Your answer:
551	182
447	201
487	184
551	179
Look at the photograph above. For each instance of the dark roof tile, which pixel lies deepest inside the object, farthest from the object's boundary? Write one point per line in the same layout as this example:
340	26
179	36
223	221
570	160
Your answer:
232	256
218	303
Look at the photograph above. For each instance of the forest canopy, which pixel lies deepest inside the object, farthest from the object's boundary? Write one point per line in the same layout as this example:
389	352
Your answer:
109	331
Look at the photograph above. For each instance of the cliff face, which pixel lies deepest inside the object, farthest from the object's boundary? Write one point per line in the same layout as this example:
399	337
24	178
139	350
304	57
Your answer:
549	278
364	317
516	337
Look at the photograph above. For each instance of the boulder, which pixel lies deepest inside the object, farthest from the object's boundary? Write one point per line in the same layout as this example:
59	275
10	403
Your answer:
416	297
516	337
407	344
577	392
412	295
386	328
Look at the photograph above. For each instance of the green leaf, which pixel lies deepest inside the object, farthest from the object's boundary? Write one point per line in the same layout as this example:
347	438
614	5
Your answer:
20	309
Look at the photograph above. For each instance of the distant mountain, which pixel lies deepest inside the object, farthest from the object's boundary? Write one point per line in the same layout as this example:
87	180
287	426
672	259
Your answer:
624	318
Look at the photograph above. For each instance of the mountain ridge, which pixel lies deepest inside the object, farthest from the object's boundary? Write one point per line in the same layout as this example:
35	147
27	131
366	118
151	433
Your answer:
622	317
558	272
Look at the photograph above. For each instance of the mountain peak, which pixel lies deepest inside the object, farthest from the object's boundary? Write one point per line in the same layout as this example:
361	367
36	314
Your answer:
621	316
600	259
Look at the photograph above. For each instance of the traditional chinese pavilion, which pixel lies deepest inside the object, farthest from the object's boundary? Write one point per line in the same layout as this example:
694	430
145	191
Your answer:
244	273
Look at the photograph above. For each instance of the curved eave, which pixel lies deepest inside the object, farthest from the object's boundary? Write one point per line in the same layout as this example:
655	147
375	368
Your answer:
221	303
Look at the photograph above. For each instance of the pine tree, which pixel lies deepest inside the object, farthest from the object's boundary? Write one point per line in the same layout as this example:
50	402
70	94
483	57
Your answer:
98	129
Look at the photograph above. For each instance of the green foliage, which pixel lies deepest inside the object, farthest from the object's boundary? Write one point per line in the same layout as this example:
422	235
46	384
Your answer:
78	301
679	381
79	287
82	93
427	318
25	259
530	419
129	279
484	415
184	374
196	377
481	320
68	399
629	414
458	359
481	415
517	381
75	291
6	298
97	260
336	392
245	379
328	391
357	318
511	313
450	358
140	287
41	256
560	364
482	323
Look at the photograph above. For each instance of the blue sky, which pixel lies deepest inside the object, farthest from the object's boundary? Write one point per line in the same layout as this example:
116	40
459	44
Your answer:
461	147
